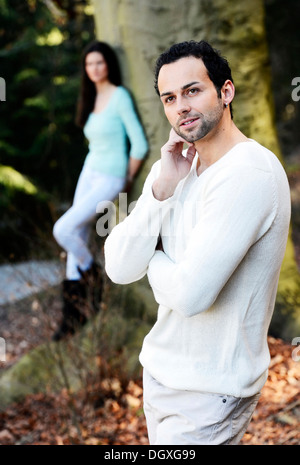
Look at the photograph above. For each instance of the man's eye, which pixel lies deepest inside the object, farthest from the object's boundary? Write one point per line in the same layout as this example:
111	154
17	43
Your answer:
193	91
169	99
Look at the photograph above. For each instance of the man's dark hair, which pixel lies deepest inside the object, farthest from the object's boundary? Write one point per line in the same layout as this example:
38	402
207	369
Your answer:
217	66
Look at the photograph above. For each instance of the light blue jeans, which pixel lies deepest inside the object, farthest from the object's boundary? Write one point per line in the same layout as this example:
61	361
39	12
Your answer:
194	418
72	230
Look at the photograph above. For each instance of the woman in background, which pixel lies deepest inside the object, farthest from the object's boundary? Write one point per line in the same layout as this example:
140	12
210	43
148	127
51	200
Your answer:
109	121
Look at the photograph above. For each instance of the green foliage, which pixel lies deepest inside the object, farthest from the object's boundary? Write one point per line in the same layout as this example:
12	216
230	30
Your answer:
26	217
40	61
10	179
40	54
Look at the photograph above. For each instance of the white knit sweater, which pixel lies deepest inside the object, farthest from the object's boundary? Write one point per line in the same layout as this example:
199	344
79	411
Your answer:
224	235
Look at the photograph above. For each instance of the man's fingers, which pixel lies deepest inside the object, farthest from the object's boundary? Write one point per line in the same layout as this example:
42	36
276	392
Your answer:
174	137
191	152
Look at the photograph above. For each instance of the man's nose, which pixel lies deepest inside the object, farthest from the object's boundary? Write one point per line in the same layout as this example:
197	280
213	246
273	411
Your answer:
182	106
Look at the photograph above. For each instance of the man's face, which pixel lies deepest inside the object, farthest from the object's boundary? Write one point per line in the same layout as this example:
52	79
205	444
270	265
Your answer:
190	99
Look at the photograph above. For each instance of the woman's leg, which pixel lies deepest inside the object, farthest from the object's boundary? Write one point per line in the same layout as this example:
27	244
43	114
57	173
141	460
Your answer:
72	229
72	232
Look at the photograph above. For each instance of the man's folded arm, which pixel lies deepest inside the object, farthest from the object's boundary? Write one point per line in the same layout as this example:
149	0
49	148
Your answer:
132	243
228	227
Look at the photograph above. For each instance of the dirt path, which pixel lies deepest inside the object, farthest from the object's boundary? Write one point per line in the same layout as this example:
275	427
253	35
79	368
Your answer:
24	279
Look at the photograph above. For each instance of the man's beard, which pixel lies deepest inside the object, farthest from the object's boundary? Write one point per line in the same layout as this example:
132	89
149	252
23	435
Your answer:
205	124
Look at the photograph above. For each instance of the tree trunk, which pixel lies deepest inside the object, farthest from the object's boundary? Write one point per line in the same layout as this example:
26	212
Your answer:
141	29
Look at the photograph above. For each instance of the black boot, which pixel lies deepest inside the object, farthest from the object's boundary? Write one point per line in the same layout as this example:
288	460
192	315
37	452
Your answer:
93	279
74	302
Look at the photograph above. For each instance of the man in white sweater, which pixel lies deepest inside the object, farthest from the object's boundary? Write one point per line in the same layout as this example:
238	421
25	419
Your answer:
210	231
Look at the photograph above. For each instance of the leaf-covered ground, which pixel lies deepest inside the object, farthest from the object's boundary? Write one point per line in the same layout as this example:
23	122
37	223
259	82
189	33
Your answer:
107	413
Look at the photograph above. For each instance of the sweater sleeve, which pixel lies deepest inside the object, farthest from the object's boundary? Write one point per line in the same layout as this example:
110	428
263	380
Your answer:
238	208
132	243
133	127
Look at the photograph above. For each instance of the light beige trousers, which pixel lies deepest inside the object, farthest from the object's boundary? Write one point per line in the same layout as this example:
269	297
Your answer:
194	418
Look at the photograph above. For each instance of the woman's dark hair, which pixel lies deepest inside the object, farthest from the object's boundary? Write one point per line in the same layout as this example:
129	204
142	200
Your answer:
87	89
217	66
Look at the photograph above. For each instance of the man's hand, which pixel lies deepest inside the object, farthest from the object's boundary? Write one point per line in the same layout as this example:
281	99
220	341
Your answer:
174	166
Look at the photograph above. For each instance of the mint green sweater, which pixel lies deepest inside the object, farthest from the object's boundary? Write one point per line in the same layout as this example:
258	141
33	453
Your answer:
109	133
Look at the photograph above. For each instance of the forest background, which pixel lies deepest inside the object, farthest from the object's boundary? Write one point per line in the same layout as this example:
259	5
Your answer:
42	150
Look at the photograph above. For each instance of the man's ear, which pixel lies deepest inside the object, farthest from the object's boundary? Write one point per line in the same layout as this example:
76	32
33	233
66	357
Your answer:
227	92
